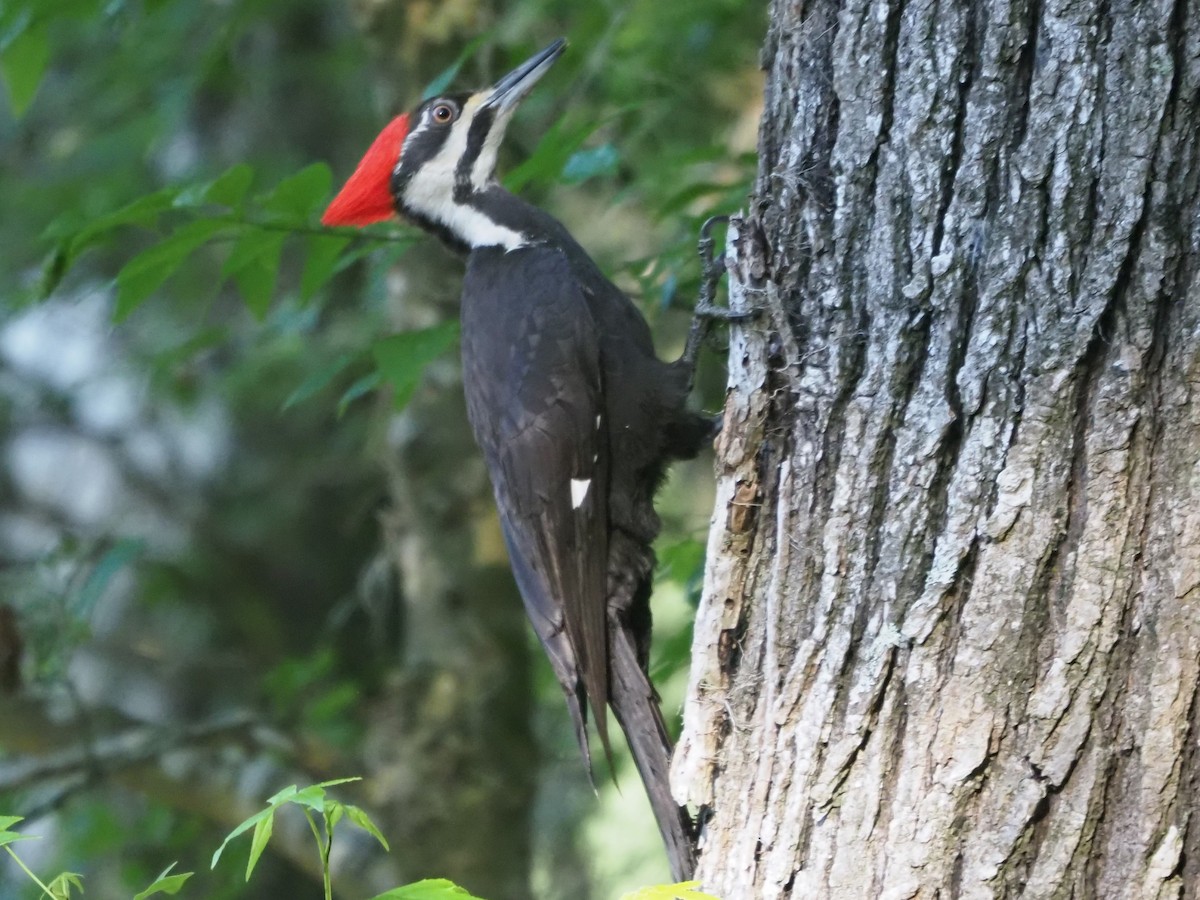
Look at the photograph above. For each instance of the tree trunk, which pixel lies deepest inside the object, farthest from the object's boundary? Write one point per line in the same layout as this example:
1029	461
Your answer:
950	638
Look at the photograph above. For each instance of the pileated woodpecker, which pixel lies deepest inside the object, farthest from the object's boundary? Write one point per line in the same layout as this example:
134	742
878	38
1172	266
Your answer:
576	415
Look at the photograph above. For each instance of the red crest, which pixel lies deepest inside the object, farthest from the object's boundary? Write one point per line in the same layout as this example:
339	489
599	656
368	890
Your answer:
367	195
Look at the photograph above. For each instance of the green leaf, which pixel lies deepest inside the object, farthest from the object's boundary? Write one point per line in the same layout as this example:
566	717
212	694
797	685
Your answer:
14	19
118	556
317	381
585	164
359	388
689	194
429	889
227	189
552	152
319	262
143	211
312	797
682	560
252	822
61	886
53	270
333	813
363	821
22	64
281	797
299	195
685	890
254	265
447	75
258	842
290	794
11	837
402	358
165	883
143	274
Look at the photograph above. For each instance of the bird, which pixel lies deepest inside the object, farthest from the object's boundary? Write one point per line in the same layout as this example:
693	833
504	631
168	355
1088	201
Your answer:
576	415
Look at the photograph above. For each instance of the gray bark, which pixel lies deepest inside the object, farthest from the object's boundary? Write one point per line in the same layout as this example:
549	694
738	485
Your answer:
950	638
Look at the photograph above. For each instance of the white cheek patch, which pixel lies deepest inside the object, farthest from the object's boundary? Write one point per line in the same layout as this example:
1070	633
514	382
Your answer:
485	163
430	192
579	491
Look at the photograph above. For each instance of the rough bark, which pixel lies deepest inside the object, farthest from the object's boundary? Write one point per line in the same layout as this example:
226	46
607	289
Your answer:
950	638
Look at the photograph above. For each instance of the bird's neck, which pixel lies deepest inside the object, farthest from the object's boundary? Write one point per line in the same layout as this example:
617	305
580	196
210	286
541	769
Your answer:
472	218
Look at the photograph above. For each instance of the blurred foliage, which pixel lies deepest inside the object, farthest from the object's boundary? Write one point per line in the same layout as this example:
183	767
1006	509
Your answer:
167	160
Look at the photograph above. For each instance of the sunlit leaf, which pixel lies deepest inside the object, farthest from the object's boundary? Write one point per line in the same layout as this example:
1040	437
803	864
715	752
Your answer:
258	842
429	889
590	163
313	796
23	63
299	195
402	358
165	883
363	821
334	812
63	885
685	890
11	837
143	274
273	804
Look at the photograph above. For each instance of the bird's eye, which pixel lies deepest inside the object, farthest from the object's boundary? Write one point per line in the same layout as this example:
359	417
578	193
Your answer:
443	113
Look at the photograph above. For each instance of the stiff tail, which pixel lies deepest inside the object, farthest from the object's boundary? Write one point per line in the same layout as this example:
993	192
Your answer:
636	707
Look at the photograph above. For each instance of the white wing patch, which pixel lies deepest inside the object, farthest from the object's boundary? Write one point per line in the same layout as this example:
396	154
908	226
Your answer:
579	491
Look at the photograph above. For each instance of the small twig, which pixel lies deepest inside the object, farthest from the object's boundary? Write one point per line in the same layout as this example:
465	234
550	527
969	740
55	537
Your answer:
115	752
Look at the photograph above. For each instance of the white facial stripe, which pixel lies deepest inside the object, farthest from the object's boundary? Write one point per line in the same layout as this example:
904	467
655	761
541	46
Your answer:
430	192
579	491
485	163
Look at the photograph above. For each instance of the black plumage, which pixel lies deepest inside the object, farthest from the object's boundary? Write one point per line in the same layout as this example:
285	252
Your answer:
575	414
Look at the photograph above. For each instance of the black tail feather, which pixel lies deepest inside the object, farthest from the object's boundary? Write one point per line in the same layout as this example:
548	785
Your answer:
635	705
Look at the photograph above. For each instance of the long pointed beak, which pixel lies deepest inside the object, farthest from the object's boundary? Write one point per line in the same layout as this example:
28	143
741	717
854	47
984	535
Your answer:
509	90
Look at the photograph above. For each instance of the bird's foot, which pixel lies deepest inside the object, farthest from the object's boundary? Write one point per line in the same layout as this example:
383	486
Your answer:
706	311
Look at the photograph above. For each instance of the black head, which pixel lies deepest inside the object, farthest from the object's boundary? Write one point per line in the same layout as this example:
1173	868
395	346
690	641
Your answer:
433	161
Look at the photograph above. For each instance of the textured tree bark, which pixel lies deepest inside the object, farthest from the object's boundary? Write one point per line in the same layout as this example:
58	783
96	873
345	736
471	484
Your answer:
950	638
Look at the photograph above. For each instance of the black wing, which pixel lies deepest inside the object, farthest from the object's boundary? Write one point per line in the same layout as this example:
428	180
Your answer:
535	397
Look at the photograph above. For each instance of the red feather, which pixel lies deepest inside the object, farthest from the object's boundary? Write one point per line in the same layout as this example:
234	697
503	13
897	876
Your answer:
367	195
